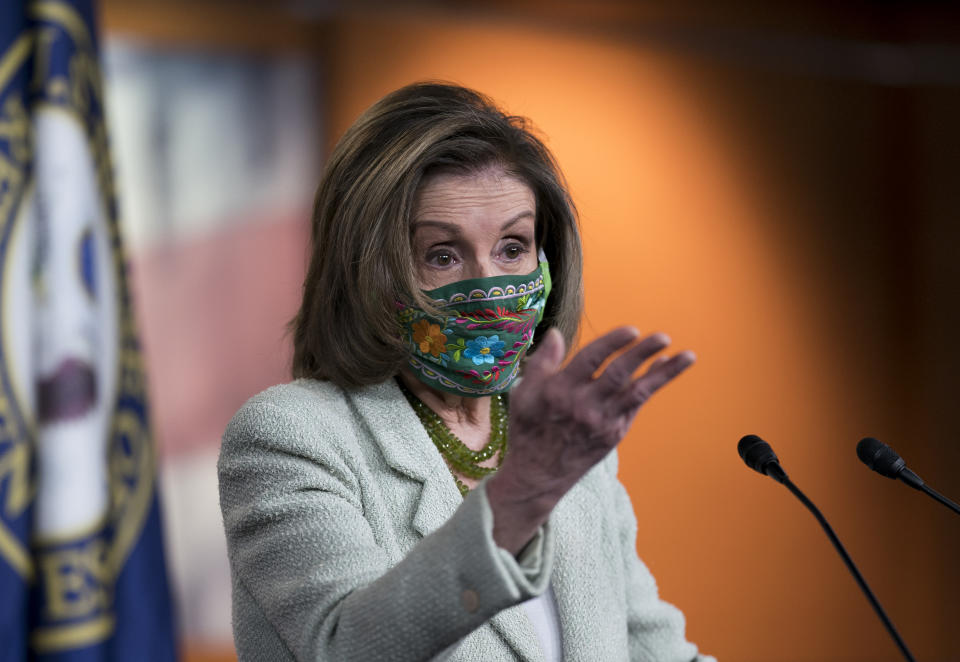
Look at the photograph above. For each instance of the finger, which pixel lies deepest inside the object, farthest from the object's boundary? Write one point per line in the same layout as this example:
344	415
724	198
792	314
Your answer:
620	371
548	357
589	359
655	378
657	362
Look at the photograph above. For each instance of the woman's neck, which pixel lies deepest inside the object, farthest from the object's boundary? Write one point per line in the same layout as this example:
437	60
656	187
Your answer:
457	411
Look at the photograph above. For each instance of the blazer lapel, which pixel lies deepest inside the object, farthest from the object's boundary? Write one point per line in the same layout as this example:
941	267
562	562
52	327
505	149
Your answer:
407	448
571	579
515	628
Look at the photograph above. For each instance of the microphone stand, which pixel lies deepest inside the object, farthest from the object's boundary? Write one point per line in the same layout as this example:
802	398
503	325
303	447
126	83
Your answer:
849	563
939	497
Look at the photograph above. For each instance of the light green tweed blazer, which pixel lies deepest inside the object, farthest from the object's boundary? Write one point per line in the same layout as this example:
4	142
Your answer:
348	540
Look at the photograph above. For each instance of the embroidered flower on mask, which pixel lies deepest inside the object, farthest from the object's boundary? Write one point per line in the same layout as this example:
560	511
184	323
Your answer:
429	337
483	349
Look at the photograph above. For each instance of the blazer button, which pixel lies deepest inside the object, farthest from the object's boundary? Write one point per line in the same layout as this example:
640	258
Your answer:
469	600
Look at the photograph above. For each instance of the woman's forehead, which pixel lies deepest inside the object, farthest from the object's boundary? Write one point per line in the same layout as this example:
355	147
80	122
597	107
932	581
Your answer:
489	196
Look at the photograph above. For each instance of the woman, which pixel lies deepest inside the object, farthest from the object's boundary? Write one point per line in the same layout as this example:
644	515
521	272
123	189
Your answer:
385	505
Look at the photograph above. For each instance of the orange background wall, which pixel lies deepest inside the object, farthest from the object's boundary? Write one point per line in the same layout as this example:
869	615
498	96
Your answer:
709	211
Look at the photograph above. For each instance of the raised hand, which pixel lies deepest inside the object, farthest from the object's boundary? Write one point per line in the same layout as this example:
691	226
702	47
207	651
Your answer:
564	421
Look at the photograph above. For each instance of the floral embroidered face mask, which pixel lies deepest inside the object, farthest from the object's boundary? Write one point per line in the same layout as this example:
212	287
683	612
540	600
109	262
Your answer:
475	350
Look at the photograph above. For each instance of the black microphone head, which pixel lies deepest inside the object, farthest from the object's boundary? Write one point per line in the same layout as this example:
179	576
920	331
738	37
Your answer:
756	453
880	457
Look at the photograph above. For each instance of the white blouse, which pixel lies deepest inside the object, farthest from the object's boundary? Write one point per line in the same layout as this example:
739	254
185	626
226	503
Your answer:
542	611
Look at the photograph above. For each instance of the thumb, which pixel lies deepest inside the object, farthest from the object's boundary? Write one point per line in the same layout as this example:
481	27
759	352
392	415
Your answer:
548	357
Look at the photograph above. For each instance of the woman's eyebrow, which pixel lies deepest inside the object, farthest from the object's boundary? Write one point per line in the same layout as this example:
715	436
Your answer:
450	227
453	227
516	219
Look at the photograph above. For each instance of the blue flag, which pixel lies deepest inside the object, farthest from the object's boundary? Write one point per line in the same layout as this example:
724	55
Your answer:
82	572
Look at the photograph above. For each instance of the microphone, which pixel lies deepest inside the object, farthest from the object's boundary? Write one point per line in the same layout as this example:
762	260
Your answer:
886	462
758	455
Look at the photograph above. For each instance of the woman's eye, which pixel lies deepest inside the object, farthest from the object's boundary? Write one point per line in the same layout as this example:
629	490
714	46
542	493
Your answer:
514	251
441	259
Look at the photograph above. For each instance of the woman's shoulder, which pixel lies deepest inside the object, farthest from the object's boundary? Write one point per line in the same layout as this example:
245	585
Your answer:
298	394
297	398
289	412
288	438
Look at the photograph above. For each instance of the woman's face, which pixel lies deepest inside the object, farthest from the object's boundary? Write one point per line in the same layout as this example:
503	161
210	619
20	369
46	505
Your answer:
473	226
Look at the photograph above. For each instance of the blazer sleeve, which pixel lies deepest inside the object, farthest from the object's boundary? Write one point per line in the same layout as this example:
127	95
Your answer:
307	566
655	629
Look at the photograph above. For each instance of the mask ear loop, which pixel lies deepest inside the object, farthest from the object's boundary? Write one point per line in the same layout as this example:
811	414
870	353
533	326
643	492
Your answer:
547	281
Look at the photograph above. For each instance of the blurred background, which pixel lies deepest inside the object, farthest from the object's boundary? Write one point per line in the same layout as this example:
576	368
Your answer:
773	184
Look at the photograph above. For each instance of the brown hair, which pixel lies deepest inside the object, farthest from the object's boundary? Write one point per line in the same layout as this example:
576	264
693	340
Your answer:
361	262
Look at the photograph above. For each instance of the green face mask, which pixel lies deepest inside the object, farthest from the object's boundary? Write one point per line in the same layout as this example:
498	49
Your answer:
475	350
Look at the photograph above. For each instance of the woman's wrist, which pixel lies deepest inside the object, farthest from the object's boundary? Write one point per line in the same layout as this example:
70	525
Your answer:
517	511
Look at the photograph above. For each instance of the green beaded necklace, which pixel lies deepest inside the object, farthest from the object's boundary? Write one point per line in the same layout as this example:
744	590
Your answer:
460	458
